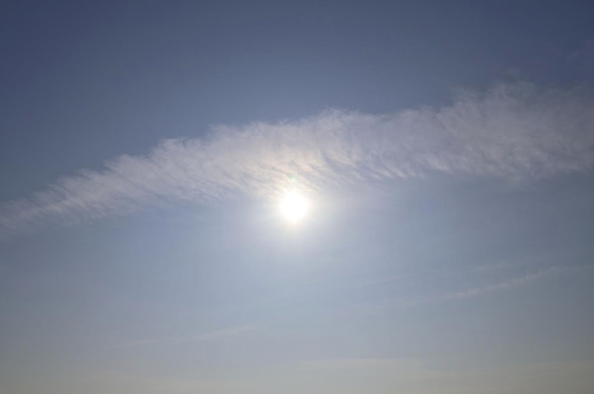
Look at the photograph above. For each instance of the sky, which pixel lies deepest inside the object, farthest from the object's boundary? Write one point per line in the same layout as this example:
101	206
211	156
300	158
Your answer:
442	154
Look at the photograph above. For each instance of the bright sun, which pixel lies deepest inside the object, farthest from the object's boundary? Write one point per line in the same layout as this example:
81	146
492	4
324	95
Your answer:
294	206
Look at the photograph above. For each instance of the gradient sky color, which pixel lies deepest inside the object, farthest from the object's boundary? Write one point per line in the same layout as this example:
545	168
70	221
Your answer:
446	150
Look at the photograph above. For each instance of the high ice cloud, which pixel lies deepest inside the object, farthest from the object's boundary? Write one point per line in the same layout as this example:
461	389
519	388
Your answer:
512	131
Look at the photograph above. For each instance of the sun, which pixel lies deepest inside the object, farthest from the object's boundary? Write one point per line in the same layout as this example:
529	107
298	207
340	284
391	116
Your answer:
294	206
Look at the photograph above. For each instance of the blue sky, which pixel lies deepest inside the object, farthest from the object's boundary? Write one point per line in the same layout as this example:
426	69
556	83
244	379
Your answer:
445	150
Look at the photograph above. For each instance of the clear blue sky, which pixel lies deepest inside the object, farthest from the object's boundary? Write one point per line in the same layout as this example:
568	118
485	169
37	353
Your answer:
445	150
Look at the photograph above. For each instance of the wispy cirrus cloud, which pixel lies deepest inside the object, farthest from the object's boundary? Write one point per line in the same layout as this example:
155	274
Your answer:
511	131
513	282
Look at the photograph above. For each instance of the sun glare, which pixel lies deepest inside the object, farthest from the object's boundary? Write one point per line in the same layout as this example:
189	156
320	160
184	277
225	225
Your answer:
294	206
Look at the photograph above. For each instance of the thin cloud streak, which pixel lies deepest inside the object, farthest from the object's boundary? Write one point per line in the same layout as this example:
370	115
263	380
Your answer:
512	131
514	282
473	292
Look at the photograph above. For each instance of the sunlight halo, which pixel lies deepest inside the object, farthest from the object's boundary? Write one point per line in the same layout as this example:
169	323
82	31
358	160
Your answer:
294	206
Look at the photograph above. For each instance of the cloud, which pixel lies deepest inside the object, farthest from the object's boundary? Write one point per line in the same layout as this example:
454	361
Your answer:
512	131
513	282
207	336
472	292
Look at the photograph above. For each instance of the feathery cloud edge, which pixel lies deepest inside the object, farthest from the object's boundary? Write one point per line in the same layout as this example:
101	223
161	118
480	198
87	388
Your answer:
512	131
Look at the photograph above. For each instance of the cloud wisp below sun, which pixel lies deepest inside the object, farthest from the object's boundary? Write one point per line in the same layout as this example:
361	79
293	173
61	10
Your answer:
511	131
510	283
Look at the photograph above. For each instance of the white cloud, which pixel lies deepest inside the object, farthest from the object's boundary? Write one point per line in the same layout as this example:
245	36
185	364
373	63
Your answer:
513	282
511	131
517	281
